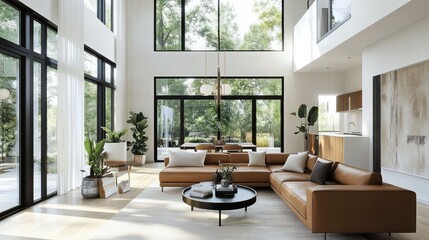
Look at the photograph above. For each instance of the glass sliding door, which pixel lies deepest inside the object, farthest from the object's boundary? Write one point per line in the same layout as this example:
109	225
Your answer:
91	110
200	121
9	132
37	130
268	125
236	120
52	109
109	108
168	131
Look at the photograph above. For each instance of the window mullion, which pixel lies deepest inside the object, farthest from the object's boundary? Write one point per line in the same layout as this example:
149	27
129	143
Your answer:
183	23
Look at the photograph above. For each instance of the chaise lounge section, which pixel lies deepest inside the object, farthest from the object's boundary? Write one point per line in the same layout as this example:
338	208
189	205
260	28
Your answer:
351	200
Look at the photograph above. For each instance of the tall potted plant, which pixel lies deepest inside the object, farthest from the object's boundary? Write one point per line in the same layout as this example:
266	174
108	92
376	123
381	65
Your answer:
306	120
94	151
138	146
115	148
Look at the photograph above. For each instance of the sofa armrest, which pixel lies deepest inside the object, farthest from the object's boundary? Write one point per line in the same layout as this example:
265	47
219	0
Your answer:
360	209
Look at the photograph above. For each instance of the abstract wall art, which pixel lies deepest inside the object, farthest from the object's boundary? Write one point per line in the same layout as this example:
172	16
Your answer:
404	120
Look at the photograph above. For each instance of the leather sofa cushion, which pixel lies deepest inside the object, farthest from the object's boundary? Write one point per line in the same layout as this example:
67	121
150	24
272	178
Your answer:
275	168
276	158
187	174
214	158
296	194
277	178
312	159
348	175
251	174
239	158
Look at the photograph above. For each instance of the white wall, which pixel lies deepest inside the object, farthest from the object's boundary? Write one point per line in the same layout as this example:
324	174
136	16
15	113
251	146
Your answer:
46	8
97	36
144	64
364	13
403	48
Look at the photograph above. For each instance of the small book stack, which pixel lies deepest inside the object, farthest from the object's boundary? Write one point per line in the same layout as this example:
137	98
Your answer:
124	186
107	186
201	190
229	191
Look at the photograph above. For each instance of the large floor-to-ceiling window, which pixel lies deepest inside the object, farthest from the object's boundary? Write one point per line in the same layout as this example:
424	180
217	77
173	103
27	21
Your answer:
28	103
99	93
251	112
182	25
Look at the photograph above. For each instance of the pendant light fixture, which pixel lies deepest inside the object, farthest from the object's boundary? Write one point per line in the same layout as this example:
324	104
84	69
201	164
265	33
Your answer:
350	100
329	90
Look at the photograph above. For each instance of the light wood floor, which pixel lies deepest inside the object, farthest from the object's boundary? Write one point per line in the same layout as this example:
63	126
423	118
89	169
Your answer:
72	217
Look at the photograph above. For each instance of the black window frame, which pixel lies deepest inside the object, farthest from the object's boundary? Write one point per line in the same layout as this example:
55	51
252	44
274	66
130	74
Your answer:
182	98
183	30
329	22
101	12
102	85
24	52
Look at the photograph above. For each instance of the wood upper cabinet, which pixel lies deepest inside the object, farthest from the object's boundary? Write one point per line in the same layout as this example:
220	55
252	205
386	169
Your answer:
356	100
349	101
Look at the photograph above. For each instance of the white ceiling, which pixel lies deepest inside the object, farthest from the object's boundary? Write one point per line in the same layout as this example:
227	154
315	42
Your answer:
337	58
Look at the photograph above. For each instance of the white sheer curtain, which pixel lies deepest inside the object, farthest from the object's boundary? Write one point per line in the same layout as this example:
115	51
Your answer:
70	94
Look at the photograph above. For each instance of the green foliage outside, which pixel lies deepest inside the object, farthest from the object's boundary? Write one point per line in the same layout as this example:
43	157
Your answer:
200	115
8	109
90	103
9	24
201	30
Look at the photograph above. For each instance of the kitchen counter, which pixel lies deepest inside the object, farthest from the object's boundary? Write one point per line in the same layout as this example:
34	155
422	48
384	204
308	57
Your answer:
337	134
345	148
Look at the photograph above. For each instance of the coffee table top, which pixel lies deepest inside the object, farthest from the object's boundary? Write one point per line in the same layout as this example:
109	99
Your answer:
244	197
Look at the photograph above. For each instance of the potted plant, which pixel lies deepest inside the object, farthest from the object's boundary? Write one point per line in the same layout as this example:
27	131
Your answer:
225	171
308	119
94	151
115	148
138	146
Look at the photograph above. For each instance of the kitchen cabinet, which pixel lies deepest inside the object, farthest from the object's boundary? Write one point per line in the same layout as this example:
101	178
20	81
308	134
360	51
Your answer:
349	101
349	149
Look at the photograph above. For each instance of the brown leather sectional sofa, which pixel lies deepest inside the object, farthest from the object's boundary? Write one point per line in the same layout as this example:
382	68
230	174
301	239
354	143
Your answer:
352	201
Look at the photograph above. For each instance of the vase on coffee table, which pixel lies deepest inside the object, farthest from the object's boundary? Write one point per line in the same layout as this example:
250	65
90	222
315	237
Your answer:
224	183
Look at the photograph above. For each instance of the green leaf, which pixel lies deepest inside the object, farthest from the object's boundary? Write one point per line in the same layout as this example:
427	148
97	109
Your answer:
88	146
302	111
313	115
293	113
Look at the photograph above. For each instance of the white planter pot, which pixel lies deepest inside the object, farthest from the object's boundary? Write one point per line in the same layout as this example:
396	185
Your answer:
115	152
139	160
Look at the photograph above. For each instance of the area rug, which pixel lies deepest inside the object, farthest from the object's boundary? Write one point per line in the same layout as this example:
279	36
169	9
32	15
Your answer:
163	215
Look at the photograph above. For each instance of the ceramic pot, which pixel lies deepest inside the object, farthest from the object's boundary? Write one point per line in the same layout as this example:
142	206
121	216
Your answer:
139	160
224	183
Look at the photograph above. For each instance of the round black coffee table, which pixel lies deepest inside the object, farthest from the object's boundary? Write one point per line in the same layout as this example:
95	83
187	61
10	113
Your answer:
244	197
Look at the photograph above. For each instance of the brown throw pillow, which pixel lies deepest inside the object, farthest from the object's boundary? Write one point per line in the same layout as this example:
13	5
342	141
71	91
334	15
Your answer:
320	172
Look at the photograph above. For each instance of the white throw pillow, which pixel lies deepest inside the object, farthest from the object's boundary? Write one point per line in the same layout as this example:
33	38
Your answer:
296	162
186	159
257	159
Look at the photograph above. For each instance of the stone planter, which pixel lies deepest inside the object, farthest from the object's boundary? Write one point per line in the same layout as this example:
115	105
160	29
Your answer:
89	188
